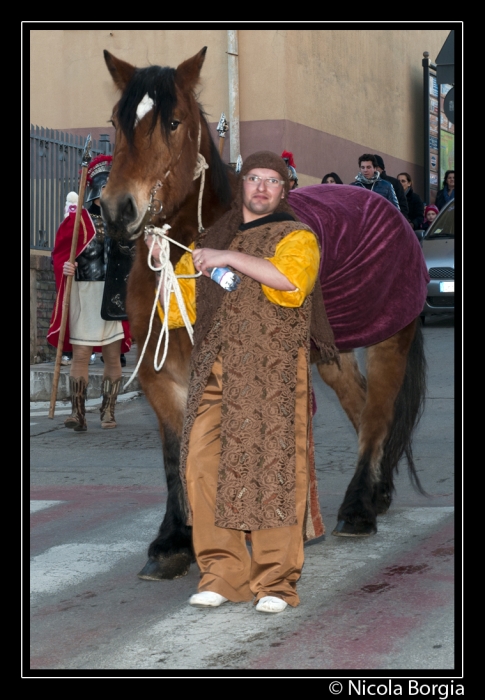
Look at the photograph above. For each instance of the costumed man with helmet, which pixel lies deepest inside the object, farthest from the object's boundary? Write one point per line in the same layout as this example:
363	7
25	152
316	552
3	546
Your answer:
97	317
293	177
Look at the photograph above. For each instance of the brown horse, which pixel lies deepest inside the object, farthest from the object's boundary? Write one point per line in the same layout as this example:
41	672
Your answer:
159	177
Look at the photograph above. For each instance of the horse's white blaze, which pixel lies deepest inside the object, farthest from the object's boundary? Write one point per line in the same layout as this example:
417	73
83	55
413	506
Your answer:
144	107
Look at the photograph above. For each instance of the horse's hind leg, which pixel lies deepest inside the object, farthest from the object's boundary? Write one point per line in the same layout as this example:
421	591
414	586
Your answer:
370	490
348	383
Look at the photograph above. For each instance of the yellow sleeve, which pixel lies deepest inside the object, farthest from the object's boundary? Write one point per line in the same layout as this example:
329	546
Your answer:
185	266
297	257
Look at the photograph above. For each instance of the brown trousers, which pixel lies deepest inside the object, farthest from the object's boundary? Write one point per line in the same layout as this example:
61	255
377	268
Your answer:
274	565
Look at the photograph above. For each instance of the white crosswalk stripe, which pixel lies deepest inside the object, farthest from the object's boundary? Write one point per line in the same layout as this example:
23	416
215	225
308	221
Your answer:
231	626
35	506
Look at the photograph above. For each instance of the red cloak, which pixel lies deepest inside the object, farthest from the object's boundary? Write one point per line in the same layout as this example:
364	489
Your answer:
60	254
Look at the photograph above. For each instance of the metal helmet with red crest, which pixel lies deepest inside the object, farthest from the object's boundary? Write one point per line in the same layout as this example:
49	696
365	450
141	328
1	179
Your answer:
290	163
97	175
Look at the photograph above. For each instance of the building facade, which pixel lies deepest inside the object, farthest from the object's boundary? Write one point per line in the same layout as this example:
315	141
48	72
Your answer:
325	94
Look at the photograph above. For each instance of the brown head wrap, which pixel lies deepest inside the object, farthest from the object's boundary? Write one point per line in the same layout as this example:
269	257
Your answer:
269	160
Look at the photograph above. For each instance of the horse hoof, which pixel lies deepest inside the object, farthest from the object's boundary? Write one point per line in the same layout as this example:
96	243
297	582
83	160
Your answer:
346	529
382	508
175	566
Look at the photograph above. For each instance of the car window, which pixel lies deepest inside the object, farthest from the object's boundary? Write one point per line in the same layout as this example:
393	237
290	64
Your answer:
444	224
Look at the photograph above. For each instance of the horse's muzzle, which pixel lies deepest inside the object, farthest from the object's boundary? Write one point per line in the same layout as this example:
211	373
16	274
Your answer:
122	217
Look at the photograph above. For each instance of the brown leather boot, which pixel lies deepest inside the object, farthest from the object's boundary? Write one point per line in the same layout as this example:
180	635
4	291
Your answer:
77	420
107	410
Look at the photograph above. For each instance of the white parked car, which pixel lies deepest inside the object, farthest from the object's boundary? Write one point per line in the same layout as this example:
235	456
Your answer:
438	244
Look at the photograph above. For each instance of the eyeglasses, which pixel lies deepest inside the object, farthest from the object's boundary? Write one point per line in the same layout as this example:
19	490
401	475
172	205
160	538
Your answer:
268	181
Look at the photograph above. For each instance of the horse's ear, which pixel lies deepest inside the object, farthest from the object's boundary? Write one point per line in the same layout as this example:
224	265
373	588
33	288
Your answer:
121	72
188	72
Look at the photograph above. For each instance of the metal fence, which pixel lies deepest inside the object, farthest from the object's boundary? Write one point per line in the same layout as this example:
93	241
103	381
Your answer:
55	161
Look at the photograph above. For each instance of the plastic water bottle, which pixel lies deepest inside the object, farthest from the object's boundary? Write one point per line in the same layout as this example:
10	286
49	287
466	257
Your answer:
225	277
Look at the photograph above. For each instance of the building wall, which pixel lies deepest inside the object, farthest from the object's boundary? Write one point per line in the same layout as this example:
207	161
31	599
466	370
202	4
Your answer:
327	95
42	298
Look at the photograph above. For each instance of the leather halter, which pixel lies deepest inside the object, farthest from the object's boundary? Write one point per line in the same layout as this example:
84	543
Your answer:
155	204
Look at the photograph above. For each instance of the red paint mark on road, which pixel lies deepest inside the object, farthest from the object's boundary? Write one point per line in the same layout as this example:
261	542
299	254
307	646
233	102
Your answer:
361	629
376	587
408	569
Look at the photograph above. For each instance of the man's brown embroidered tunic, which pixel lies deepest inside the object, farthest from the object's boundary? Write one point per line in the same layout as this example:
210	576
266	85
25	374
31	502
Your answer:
261	345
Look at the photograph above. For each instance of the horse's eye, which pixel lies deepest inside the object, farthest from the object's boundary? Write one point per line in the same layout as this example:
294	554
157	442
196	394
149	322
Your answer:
174	124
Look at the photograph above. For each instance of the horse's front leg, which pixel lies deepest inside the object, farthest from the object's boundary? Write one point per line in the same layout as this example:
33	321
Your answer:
369	492
170	554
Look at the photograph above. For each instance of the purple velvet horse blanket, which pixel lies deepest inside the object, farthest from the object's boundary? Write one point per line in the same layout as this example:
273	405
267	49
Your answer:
372	271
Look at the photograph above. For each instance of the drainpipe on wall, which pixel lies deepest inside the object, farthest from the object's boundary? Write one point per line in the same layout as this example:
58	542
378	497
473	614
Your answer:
233	72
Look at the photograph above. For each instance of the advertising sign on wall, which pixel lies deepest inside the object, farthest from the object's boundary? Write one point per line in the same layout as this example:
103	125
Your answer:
440	134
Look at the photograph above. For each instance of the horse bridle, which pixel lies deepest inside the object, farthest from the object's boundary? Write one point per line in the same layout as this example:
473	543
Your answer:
167	279
199	171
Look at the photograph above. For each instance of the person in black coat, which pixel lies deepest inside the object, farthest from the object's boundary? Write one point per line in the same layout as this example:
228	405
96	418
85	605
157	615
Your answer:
401	197
448	191
415	203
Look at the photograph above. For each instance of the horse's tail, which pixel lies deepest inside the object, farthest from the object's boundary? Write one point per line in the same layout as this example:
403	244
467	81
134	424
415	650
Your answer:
408	409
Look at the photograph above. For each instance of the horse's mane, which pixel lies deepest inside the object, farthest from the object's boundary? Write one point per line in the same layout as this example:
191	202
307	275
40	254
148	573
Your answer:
159	83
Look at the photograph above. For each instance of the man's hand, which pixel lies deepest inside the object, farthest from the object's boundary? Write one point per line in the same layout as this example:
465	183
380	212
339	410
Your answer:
208	258
69	268
156	249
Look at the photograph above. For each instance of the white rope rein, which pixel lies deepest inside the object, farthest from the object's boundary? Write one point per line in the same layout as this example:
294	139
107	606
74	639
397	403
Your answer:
168	282
167	279
200	167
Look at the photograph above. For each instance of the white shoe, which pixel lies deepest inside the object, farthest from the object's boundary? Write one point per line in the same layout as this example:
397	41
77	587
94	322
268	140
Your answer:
92	359
271	604
207	599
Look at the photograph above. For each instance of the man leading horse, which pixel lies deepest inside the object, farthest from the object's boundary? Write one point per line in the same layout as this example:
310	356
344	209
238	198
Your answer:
247	455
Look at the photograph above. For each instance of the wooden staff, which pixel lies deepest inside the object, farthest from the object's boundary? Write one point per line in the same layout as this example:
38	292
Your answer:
67	293
222	127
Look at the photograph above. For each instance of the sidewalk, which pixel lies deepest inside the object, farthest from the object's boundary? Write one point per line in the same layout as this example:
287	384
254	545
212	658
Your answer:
42	376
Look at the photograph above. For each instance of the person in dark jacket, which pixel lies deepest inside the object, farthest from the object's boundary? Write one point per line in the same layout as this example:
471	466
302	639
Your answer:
448	192
369	178
415	203
401	197
331	179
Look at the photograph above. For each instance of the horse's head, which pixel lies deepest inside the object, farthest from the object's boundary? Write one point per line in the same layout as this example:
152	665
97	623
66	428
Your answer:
158	123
